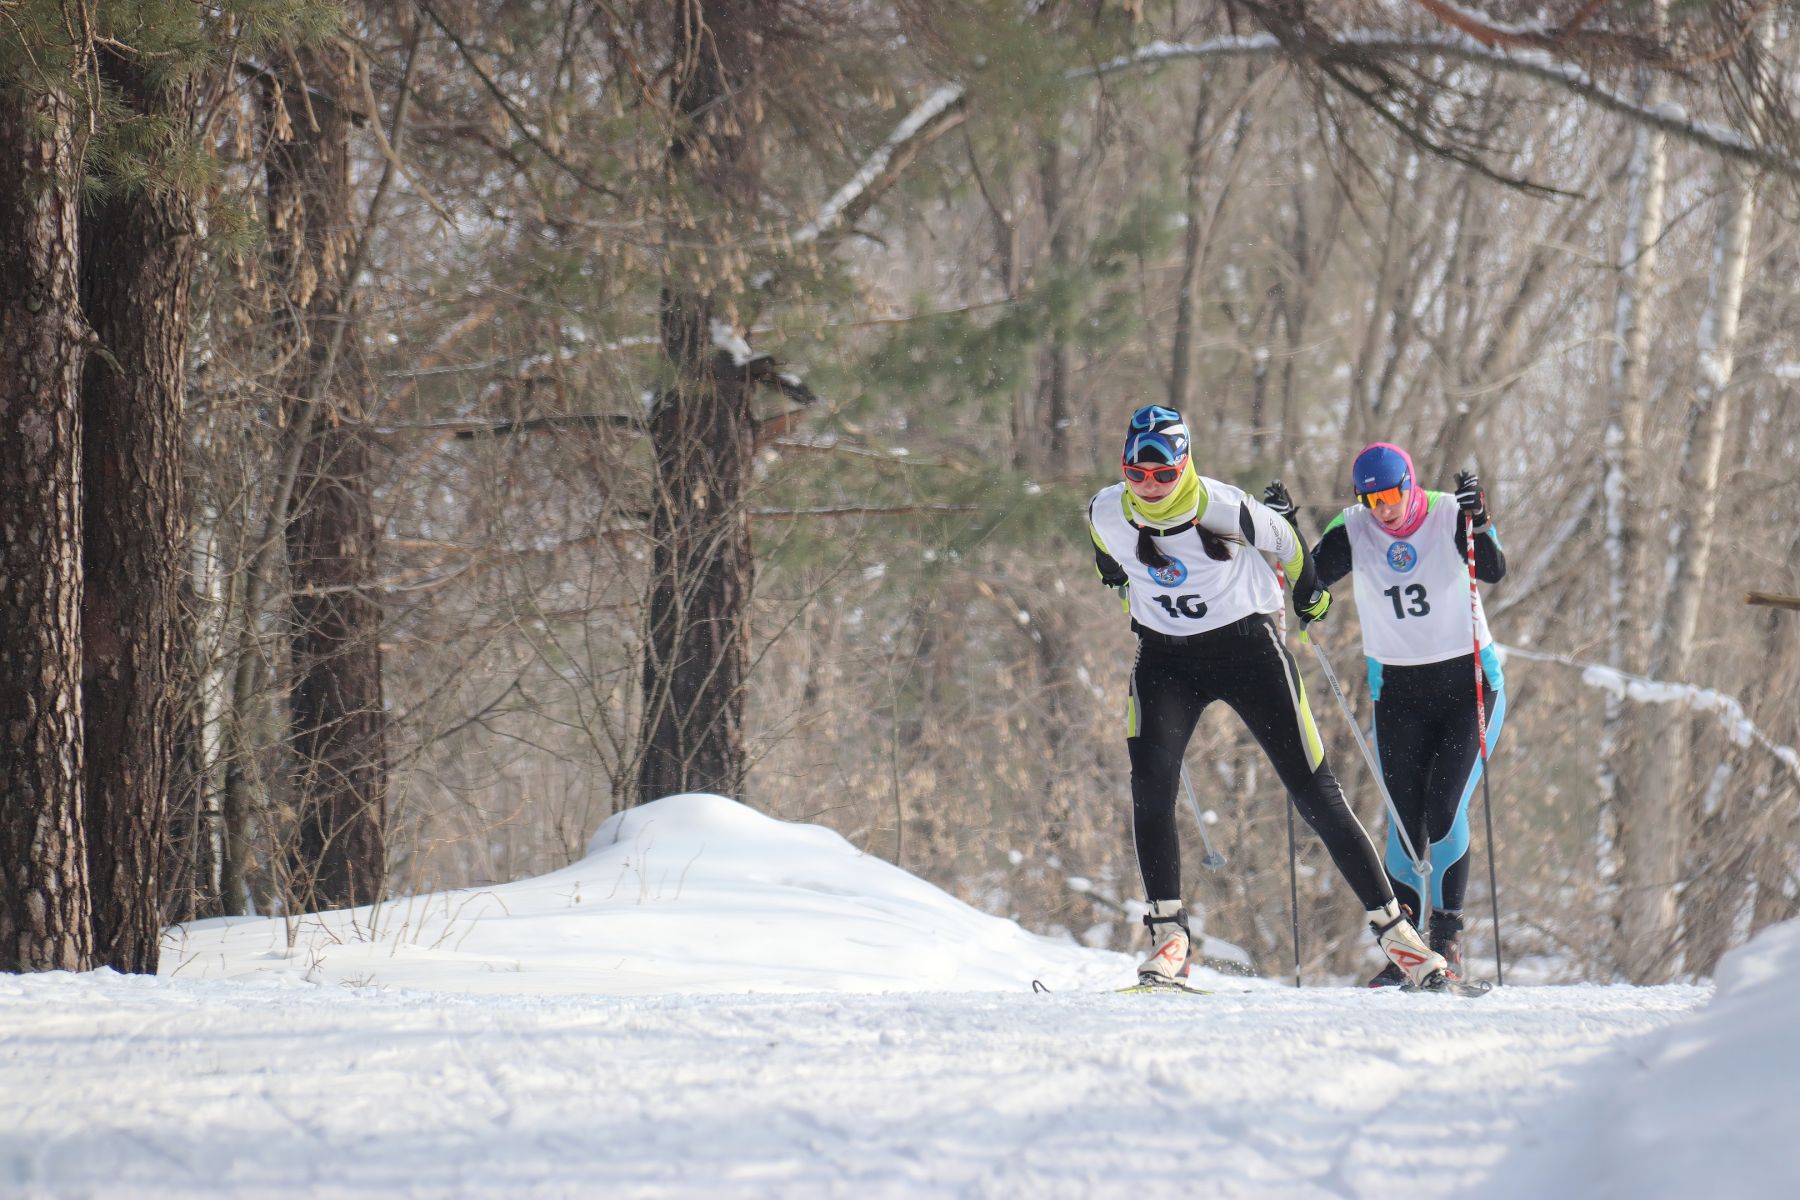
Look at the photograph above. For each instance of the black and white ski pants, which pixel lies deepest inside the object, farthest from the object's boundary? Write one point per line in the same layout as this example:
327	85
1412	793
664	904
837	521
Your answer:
1246	666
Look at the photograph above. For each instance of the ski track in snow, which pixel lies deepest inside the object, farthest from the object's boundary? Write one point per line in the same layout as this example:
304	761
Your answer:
113	1086
714	1003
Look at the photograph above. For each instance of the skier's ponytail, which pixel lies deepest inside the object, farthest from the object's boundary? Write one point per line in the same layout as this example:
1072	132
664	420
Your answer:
1147	552
1217	548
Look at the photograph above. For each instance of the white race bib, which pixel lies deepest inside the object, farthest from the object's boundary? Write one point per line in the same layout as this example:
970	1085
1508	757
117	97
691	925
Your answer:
1412	592
1194	593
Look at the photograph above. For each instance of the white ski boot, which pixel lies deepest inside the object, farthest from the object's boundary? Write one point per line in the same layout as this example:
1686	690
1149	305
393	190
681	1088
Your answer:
1168	963
1422	966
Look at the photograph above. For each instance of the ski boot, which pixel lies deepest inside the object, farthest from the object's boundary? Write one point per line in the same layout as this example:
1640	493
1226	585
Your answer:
1421	966
1169	961
1391	975
1446	940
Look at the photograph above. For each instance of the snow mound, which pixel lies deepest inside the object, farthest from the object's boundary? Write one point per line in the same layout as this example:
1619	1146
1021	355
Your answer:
1720	1087
692	894
1706	1107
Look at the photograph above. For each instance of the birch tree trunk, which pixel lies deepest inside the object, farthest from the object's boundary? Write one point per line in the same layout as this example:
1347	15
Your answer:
1181	349
1776	860
1655	826
1628	589
1054	380
44	901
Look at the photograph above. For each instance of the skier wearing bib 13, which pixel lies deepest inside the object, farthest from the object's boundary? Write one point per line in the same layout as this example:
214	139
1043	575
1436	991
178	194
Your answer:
1409	552
1188	552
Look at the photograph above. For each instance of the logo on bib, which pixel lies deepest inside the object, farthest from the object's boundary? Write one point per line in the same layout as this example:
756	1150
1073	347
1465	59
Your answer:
1172	575
1402	557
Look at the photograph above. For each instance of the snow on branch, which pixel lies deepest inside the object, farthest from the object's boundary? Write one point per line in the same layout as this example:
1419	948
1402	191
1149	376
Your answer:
935	114
726	337
1622	685
1533	63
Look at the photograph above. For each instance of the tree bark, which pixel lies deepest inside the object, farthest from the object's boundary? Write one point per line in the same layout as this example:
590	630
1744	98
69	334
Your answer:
137	258
702	436
1627	401
337	855
1054	380
189	887
1654	828
1181	343
44	900
340	720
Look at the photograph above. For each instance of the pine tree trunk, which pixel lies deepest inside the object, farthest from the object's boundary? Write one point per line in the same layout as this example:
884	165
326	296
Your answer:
44	902
1656	825
137	257
340	723
698	653
697	649
337	855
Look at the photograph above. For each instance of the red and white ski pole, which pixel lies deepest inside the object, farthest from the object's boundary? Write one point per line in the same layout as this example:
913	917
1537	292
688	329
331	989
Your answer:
1487	804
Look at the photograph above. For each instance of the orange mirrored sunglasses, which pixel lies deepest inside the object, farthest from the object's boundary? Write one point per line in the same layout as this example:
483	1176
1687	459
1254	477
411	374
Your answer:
1384	496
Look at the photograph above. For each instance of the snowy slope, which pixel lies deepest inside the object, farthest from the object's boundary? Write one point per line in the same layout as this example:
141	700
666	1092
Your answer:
715	1004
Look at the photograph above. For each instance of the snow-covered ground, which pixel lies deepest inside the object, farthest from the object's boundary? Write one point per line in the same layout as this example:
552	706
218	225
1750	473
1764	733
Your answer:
712	1003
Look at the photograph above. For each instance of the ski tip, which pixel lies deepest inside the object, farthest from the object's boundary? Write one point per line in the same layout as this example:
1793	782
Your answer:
1467	988
1144	987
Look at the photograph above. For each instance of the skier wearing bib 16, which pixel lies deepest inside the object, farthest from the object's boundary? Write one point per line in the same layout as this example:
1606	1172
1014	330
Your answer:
1188	552
1409	551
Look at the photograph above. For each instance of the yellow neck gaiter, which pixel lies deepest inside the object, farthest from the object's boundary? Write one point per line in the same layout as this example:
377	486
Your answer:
1177	508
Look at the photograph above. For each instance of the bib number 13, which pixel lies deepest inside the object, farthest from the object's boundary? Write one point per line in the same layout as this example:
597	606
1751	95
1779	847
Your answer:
1416	603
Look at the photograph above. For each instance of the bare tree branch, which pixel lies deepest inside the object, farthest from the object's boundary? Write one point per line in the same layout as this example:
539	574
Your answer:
1363	46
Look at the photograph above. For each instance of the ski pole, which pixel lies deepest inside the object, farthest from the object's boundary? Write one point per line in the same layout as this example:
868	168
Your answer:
1487	803
1421	865
1213	860
1293	870
1293	894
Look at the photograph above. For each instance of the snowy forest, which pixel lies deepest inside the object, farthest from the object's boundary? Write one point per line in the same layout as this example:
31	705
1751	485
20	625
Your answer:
431	428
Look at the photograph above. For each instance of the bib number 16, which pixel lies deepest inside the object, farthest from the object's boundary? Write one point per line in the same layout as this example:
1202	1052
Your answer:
1189	606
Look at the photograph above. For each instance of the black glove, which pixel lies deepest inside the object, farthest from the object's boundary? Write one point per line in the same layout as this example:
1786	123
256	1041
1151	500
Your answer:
1312	608
1109	570
1470	498
1276	499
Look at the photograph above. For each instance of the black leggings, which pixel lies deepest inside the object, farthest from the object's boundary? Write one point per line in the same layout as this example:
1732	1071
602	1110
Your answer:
1427	741
1247	667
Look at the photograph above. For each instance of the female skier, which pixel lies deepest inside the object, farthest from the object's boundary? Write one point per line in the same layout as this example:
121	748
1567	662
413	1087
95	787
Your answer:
1409	551
1185	549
